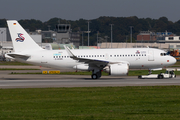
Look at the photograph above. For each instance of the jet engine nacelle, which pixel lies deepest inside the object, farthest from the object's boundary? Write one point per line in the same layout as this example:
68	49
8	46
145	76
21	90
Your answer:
84	67
117	69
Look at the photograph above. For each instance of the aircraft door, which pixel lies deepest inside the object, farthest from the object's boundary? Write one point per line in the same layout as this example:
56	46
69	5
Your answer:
151	55
106	56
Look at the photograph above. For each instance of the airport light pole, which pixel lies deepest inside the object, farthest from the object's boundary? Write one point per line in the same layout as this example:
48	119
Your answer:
82	38
97	38
131	32
88	31
126	41
2	37
106	37
111	34
2	42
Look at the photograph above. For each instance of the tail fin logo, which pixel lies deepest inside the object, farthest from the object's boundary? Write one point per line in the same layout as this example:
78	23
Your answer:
21	38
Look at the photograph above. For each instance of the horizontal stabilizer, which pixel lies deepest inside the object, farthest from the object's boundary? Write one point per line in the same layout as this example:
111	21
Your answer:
21	56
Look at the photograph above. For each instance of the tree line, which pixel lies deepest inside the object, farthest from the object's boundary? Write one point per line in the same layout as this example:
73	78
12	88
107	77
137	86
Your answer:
121	27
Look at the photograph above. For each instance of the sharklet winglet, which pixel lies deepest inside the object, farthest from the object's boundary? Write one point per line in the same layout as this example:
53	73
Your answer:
69	52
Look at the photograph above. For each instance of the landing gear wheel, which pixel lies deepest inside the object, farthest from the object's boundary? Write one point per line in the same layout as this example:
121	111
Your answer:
160	76
94	76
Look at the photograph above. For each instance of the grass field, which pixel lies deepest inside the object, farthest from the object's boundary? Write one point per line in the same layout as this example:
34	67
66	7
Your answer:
1	69
147	103
13	63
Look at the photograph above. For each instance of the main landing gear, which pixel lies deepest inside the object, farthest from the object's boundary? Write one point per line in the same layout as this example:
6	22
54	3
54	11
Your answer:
96	74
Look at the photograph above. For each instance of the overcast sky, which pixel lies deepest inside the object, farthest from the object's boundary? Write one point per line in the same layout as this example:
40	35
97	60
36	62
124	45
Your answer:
88	9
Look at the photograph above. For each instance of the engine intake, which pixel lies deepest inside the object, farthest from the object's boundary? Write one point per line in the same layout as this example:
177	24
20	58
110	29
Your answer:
117	69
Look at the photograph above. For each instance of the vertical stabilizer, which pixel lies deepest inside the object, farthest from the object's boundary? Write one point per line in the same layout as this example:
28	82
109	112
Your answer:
20	38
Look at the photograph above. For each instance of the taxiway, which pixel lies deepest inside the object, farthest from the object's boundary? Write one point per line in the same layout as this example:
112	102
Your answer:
8	80
48	81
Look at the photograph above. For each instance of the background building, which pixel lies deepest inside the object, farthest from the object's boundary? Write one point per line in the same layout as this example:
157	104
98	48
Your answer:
146	36
64	35
149	36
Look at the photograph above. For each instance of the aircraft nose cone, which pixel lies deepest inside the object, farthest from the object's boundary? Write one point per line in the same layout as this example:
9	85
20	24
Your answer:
173	60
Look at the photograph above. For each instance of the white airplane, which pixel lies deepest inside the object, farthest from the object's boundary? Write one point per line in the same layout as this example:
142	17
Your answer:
113	61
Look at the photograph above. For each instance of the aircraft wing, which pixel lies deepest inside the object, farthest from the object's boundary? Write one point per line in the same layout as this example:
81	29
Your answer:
96	62
17	55
99	63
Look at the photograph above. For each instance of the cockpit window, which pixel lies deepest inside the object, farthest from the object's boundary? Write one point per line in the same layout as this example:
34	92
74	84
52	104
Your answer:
163	54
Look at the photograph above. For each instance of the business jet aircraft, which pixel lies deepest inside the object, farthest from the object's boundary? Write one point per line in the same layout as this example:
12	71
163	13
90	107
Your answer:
113	61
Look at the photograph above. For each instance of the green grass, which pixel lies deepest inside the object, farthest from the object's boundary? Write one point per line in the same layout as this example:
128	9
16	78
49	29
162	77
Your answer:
13	63
147	103
145	72
18	69
177	63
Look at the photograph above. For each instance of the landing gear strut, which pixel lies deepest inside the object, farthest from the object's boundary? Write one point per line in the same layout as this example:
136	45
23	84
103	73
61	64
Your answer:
96	74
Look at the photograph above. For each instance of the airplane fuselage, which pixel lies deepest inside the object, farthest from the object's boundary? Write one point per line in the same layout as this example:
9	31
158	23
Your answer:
138	58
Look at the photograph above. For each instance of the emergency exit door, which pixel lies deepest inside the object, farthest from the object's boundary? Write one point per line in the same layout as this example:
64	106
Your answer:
151	55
